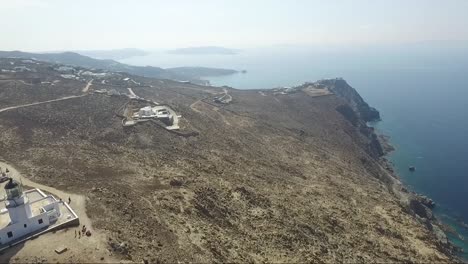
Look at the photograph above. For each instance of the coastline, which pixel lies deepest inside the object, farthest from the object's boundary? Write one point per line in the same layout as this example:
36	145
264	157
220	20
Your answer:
420	206
361	115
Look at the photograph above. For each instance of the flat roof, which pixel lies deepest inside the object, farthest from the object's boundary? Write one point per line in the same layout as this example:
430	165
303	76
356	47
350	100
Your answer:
37	205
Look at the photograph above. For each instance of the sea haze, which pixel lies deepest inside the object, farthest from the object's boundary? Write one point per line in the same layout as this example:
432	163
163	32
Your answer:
420	90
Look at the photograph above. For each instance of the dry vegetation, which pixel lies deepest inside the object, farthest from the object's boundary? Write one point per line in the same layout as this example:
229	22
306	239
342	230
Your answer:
268	178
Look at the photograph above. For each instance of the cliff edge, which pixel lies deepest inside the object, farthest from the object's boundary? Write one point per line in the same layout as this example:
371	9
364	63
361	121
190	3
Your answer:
342	89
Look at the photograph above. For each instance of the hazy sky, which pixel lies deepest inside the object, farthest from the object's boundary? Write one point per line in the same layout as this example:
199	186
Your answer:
39	25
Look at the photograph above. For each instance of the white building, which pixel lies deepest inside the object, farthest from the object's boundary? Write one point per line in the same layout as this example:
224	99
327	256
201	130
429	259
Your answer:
159	112
146	112
22	217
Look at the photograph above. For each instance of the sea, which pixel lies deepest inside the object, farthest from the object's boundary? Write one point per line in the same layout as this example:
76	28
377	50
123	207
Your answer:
421	92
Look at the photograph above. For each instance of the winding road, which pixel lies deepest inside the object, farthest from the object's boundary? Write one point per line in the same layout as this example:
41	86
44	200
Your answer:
43	102
84	90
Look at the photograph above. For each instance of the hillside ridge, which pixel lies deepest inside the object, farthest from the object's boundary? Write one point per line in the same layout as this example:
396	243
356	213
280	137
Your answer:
193	74
276	175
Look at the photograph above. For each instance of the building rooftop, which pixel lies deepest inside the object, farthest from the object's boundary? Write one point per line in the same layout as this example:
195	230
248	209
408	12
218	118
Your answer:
37	200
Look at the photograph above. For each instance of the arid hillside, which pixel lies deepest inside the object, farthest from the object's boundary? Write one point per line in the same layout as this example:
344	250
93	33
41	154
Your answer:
270	175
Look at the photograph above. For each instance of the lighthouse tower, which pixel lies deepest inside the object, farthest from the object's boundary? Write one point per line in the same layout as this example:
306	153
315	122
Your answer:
17	203
29	212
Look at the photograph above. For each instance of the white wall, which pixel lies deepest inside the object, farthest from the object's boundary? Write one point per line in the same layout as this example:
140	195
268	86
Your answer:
18	229
20	212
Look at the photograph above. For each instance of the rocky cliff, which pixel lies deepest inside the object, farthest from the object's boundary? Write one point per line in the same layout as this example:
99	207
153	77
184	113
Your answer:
358	112
342	89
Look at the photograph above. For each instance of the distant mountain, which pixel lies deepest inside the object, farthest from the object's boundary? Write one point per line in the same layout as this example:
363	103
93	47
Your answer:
116	54
204	51
196	72
71	58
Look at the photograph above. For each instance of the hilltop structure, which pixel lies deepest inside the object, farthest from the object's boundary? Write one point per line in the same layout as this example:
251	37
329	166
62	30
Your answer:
158	112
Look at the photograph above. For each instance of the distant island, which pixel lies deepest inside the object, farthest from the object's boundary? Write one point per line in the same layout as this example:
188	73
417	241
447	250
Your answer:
197	72
207	50
192	74
115	54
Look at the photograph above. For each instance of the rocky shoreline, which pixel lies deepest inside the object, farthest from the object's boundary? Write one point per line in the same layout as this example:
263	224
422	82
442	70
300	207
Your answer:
359	113
420	206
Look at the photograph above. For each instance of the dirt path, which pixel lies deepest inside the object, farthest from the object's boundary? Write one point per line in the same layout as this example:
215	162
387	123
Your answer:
216	109
86	88
132	93
86	249
43	102
23	82
226	93
192	106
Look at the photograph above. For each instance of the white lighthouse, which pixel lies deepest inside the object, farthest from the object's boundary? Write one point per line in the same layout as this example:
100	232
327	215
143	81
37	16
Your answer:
26	213
17	202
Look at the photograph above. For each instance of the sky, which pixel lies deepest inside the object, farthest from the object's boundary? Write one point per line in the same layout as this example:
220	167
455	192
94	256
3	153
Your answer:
48	25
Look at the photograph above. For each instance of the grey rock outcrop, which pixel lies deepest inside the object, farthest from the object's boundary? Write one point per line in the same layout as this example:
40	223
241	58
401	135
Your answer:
420	209
342	89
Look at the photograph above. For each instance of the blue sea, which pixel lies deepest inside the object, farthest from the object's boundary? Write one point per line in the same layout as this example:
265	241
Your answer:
420	91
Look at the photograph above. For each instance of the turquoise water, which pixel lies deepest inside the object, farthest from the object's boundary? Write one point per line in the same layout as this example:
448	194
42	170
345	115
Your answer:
422	96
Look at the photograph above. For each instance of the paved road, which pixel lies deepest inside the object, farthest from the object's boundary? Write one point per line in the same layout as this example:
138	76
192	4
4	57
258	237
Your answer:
175	123
43	102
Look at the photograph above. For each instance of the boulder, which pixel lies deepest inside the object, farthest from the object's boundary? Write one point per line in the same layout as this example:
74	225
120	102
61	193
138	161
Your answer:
176	183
